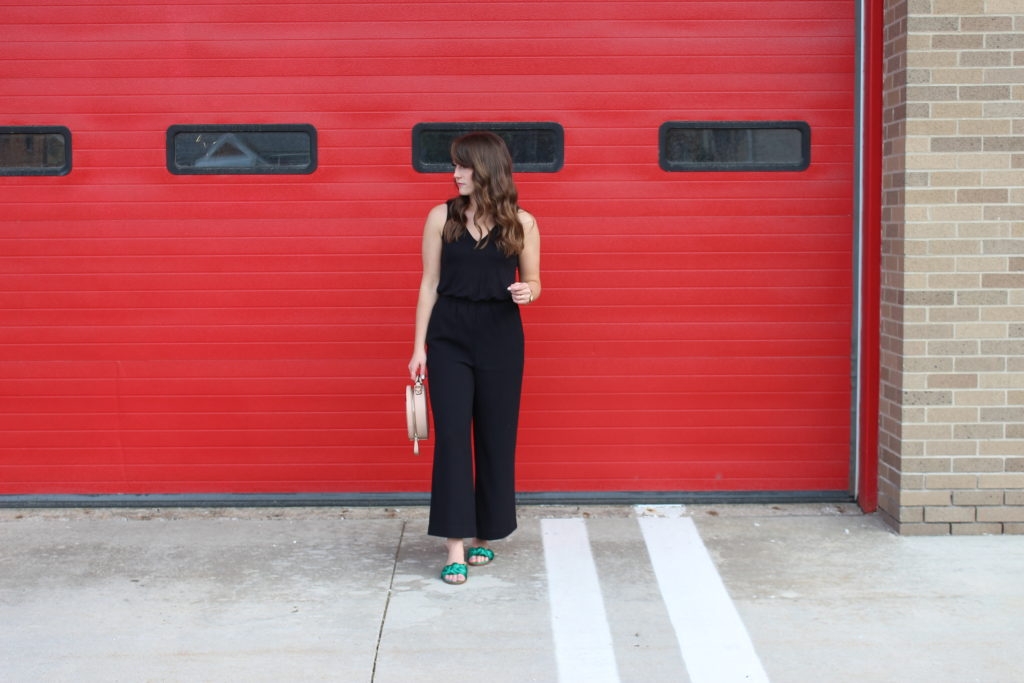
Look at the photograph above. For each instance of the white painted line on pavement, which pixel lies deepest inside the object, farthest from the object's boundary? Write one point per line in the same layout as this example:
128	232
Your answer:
583	640
712	638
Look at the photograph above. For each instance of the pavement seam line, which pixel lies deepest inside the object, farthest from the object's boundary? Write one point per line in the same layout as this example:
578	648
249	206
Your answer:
387	601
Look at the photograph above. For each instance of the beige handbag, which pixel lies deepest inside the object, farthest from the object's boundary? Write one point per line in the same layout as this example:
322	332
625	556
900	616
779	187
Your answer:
416	413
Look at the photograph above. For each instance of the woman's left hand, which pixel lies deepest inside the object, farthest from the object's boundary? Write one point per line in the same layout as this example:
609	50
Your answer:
521	293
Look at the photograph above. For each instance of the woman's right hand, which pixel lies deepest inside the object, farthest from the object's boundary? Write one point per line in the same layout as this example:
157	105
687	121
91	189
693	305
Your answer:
418	365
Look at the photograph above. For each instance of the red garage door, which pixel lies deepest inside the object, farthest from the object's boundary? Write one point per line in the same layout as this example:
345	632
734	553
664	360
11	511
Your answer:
226	333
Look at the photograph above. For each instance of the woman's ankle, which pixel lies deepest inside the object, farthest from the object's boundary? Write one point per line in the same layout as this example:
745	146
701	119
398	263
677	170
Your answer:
456	550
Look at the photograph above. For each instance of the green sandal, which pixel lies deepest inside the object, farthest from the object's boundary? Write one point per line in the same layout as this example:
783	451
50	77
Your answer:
485	553
452	570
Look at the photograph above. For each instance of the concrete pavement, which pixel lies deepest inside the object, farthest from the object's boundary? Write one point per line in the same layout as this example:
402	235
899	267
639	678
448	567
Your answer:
818	592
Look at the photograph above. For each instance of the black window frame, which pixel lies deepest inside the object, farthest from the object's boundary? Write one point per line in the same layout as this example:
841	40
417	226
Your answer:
672	165
61	170
306	128
460	128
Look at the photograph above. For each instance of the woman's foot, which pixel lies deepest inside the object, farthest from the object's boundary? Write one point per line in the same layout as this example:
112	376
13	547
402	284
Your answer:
454	571
454	574
479	555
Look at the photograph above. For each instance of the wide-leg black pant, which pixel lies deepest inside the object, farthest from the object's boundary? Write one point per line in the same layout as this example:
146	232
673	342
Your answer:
475	376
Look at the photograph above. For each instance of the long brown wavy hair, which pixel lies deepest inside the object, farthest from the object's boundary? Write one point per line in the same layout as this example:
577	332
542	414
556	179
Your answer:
494	192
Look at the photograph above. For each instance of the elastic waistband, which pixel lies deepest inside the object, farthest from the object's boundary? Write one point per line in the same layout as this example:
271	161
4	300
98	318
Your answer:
475	302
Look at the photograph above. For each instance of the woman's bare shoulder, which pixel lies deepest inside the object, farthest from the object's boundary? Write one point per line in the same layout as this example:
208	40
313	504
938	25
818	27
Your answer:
528	220
441	209
438	215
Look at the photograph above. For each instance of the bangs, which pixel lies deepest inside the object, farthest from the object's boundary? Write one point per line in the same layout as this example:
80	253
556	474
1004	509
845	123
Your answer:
460	155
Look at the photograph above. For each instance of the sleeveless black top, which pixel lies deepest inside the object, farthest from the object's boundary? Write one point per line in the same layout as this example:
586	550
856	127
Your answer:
482	274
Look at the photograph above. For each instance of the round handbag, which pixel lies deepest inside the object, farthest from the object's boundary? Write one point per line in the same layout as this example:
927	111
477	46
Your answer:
416	413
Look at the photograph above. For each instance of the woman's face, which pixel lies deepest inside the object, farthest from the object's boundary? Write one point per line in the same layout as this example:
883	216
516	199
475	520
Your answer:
464	180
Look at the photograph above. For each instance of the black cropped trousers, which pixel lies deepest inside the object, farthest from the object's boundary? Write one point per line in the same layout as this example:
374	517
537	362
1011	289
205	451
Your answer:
475	377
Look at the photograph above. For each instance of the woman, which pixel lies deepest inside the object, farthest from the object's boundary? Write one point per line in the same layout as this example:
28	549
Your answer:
469	341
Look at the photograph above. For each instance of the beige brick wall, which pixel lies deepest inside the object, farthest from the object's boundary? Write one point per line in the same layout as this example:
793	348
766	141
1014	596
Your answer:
951	422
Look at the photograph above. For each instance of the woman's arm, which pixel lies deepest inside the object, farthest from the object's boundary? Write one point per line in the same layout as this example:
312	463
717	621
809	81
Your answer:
527	290
428	286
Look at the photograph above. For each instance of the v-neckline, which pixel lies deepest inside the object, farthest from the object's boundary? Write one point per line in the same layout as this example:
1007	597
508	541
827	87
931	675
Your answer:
470	224
478	240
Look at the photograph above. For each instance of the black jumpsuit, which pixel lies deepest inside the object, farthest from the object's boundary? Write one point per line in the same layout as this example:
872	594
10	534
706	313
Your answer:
475	370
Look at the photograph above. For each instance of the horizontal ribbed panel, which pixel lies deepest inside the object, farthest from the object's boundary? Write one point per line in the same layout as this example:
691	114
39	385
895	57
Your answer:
175	334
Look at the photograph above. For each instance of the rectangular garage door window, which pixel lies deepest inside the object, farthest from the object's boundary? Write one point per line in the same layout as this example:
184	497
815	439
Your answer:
535	147
35	150
241	149
734	146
